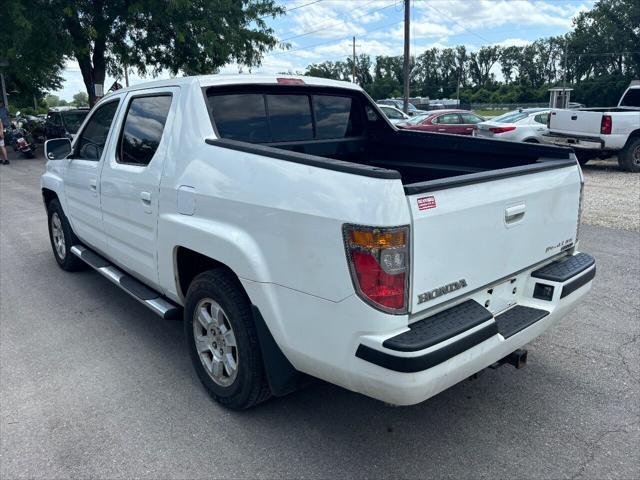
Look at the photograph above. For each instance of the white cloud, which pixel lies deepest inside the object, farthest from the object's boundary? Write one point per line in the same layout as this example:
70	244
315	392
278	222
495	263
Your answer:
483	14
517	42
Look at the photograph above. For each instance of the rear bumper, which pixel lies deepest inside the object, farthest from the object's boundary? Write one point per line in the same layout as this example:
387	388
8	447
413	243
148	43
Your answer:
408	368
585	143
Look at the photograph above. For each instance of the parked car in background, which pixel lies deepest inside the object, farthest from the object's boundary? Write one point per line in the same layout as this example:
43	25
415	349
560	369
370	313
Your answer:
601	132
459	122
524	125
399	104
393	114
64	123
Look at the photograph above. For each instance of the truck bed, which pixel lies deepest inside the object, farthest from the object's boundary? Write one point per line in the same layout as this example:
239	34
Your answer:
423	157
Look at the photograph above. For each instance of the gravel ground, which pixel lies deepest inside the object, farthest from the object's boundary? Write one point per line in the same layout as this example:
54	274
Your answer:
93	385
611	197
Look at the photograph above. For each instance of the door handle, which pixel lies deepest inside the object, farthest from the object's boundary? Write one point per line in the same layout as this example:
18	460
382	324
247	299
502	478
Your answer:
442	129
145	197
93	184
515	213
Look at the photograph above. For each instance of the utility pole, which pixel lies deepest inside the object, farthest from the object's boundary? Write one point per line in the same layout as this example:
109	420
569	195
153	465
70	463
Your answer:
407	16
353	67
564	76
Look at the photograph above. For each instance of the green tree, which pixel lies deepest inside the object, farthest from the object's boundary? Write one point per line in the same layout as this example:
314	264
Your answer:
33	48
80	99
190	36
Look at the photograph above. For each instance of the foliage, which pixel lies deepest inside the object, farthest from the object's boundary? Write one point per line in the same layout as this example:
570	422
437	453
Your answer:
80	99
34	49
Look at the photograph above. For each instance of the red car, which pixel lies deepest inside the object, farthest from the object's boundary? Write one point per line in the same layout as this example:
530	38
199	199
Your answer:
460	122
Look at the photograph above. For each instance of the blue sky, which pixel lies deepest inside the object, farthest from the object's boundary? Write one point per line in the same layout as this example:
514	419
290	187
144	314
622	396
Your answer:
319	30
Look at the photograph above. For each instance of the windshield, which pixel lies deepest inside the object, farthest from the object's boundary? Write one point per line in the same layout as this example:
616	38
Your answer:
73	120
510	117
417	119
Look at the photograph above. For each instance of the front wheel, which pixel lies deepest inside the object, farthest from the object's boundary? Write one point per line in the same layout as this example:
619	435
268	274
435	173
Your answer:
62	238
629	157
223	342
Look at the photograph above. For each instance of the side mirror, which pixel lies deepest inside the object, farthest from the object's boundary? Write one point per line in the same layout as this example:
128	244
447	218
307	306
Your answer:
57	148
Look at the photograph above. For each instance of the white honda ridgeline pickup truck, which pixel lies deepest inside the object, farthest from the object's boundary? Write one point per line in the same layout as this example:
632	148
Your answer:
298	233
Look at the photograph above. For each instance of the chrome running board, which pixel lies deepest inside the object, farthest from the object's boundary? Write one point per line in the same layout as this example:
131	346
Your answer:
148	297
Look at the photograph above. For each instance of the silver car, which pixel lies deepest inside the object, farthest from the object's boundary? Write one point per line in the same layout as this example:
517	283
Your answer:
525	125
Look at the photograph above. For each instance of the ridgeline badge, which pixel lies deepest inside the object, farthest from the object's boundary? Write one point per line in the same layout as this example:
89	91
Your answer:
438	292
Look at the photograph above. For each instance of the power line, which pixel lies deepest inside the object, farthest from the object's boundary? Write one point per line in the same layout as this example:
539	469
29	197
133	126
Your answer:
324	27
337	40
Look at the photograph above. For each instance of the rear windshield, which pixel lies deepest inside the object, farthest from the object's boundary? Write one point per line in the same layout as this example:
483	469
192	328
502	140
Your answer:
510	117
73	120
273	118
631	99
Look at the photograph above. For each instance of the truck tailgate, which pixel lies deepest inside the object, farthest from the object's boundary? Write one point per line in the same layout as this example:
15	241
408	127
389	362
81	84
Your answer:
575	122
467	237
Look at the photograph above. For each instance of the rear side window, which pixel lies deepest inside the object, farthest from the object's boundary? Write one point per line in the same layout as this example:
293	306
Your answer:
541	118
290	118
271	118
241	117
470	118
143	127
632	98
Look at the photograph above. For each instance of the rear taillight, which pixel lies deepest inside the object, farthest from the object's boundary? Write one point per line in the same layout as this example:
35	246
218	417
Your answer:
605	125
501	129
379	265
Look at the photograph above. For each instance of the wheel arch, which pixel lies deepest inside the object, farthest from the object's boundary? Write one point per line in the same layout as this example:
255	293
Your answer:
632	136
48	195
282	376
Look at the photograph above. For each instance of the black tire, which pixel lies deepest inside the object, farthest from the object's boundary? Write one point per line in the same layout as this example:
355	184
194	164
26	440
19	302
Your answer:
583	157
67	261
249	386
629	157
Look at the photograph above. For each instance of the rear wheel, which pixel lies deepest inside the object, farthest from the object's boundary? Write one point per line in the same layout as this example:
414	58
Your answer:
223	342
62	238
583	156
629	157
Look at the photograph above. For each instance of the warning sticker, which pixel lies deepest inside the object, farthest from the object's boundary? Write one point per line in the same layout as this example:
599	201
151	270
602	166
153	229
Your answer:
425	203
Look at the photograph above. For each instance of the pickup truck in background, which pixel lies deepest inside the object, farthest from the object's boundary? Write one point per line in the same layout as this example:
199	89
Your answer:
601	132
298	233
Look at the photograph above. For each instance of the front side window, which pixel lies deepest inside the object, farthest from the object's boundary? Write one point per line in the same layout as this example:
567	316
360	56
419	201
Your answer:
94	135
391	113
143	127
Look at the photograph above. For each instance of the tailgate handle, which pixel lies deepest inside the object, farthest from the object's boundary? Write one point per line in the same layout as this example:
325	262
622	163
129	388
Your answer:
515	213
